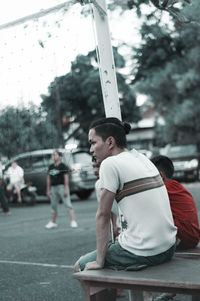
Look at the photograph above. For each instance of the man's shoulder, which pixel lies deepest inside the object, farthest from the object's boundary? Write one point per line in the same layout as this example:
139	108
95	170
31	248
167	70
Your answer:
114	160
111	159
173	184
63	165
107	162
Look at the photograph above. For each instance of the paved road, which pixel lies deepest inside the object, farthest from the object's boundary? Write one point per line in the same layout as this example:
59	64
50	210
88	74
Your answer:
35	263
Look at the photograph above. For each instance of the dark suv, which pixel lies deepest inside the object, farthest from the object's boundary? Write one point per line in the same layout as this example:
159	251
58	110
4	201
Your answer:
36	163
186	160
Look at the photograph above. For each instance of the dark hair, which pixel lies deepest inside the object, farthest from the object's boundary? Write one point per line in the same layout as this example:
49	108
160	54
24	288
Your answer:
112	126
58	152
164	164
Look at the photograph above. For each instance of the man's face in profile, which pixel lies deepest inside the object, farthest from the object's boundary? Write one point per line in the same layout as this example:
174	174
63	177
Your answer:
98	148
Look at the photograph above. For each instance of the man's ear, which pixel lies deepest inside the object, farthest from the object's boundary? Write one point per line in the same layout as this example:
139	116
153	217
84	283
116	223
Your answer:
110	141
162	175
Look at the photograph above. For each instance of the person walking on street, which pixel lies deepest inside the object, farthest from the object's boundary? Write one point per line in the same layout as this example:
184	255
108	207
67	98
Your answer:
58	189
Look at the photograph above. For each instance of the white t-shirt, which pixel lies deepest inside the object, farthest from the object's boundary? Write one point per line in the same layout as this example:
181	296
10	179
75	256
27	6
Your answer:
15	174
143	202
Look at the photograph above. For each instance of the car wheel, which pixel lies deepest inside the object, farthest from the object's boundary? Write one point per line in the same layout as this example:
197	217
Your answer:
84	194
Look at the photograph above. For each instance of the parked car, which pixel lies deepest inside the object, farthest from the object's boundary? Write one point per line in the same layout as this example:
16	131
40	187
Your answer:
186	160
36	163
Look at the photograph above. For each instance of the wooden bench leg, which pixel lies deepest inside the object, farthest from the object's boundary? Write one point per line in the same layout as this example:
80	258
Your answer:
135	295
105	295
99	294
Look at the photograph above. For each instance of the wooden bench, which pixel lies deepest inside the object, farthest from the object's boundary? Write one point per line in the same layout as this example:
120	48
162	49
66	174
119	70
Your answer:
190	253
180	276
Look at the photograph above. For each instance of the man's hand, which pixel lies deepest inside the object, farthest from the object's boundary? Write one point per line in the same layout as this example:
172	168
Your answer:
116	232
93	265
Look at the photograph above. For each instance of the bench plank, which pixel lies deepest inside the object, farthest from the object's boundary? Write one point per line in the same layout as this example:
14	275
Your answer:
190	253
180	275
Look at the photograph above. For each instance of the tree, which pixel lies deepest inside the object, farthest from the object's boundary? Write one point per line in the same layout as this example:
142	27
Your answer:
81	96
168	71
169	6
25	130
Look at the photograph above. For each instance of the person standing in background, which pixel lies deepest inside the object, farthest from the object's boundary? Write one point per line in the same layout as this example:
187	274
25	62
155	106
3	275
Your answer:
58	189
3	198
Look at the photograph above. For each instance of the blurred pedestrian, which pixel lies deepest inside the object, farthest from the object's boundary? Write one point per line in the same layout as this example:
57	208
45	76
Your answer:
15	174
58	189
3	197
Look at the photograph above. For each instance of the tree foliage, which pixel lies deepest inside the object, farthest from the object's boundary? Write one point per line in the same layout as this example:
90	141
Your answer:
173	7
168	71
80	94
25	130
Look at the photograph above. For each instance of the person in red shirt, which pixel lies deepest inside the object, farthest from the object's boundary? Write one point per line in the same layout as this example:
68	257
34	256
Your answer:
182	204
183	209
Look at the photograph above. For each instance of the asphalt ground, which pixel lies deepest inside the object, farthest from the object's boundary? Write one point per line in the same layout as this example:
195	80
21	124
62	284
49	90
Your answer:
36	264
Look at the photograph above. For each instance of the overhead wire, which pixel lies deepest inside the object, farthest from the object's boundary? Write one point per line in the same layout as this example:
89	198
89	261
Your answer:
39	14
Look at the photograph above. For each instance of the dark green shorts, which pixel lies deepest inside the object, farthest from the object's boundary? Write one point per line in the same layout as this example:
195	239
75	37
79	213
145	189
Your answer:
119	258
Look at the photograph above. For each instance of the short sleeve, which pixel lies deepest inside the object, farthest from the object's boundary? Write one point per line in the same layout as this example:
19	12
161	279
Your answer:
109	177
65	168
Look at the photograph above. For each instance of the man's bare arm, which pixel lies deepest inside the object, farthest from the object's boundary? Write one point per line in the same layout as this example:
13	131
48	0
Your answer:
66	181
48	186
102	228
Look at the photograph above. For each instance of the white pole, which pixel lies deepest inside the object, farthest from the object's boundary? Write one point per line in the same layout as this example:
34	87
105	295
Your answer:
106	60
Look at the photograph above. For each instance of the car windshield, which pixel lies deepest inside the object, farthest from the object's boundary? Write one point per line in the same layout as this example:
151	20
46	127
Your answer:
182	151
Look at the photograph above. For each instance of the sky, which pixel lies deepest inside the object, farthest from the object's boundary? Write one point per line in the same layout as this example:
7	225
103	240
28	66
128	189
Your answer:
32	54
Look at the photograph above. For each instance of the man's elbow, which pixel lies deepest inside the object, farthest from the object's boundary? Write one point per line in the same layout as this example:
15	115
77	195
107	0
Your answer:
102	215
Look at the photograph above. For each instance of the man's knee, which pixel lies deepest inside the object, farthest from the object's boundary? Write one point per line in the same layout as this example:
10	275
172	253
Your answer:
9	188
76	267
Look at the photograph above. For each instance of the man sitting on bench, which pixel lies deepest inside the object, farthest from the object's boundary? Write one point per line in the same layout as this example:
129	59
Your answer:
182	204
183	208
135	183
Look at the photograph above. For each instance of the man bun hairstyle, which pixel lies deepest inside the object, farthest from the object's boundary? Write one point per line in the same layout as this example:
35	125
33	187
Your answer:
112	126
127	127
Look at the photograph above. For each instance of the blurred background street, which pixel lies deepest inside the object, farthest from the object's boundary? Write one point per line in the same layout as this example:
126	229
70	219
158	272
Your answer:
36	264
